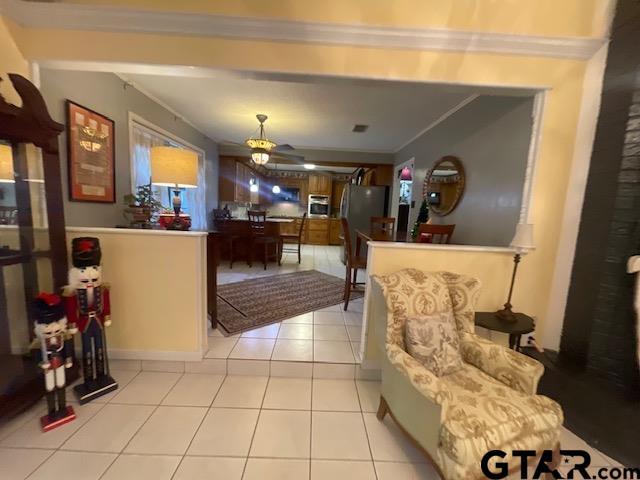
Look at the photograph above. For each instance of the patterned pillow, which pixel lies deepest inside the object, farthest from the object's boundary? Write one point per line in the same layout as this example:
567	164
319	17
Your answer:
433	340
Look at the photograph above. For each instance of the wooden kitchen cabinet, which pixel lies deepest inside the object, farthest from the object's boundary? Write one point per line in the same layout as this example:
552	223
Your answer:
337	186
334	231
233	182
319	184
317	231
242	193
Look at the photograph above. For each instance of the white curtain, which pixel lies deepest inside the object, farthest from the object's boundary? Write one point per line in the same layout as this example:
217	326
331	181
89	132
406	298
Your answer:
193	199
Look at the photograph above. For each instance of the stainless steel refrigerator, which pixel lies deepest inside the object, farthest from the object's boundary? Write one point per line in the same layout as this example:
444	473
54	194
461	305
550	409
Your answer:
358	204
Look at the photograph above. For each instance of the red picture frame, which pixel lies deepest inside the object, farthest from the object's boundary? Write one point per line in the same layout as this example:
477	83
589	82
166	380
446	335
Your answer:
90	155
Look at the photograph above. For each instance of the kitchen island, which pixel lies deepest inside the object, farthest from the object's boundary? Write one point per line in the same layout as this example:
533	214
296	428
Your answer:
240	230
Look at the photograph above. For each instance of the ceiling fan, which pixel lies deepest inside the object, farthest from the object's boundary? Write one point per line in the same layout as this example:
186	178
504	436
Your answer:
262	149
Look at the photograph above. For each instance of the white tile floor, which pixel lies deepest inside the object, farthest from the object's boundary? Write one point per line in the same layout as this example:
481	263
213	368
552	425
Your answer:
327	335
218	427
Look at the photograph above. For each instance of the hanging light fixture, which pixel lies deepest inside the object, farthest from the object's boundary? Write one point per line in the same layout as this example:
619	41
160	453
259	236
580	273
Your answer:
276	188
405	174
260	147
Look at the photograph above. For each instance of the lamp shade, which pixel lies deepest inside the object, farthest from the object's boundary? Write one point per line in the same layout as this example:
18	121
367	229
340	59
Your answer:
523	239
405	174
171	166
6	164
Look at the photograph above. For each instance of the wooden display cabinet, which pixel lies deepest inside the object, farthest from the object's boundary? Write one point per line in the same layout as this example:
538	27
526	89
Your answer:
33	245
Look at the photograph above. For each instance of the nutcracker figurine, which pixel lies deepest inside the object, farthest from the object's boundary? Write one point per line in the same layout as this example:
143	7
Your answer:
87	305
50	328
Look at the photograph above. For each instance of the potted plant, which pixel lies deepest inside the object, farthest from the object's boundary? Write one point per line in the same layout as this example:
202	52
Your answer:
142	205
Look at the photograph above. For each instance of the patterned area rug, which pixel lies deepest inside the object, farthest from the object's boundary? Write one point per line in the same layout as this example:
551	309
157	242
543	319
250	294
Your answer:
254	303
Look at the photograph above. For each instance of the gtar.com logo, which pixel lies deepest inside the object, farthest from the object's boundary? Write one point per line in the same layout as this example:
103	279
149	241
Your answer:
494	467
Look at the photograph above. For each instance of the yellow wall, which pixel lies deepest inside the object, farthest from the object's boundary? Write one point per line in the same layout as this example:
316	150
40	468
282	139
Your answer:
533	17
563	77
158	292
11	61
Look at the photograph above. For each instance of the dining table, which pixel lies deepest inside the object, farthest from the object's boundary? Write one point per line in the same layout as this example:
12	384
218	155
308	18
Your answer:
379	235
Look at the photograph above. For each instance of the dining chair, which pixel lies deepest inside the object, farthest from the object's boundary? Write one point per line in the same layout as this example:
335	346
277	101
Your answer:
385	224
228	237
295	238
428	233
353	263
257	224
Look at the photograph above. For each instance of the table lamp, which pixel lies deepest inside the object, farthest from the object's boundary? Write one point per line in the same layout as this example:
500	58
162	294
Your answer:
175	168
6	164
522	242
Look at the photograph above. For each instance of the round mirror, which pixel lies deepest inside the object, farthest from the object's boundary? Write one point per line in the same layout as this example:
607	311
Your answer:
444	185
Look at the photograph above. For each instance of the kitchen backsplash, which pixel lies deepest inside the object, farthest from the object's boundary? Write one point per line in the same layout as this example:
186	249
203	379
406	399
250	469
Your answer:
289	209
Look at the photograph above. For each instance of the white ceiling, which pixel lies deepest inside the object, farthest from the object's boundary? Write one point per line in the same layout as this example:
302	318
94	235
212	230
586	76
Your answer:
304	111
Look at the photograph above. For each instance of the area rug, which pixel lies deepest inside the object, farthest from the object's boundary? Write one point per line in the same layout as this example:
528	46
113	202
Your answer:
260	301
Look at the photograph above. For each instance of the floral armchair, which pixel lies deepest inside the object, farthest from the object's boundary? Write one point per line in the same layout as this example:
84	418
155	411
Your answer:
491	403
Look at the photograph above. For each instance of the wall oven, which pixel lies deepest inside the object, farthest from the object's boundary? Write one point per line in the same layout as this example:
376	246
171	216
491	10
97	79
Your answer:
318	206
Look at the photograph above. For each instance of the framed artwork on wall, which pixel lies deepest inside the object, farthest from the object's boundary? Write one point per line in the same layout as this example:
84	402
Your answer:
90	155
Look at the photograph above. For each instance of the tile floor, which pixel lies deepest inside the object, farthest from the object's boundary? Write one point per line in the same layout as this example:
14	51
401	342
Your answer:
162	426
327	335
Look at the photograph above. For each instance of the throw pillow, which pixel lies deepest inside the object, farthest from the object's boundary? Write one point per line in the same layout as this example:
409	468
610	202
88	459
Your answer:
433	340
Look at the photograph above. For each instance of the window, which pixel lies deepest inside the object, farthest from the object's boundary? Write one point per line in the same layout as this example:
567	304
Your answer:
143	138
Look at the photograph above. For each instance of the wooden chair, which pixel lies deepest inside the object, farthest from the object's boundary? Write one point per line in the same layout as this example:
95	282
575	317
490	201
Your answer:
428	233
257	221
353	263
227	237
295	238
385	224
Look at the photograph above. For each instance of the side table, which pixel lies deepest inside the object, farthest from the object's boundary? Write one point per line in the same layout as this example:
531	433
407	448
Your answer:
524	324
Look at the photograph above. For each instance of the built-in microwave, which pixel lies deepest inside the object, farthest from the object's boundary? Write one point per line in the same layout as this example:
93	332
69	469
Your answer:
318	206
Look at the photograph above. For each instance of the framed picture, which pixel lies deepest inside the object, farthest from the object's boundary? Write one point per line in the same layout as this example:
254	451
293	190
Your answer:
90	155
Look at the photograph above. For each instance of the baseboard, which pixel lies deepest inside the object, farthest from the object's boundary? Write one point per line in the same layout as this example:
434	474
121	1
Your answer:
370	364
118	354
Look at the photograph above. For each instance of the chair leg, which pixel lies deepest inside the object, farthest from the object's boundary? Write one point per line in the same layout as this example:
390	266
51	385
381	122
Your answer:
347	289
383	408
299	254
555	462
279	253
230	253
355	277
264	261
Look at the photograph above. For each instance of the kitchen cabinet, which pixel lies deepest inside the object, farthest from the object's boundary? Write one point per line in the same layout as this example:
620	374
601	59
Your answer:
337	186
319	184
317	231
234	180
334	231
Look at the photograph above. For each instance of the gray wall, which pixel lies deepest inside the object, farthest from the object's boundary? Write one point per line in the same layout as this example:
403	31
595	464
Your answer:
105	93
491	137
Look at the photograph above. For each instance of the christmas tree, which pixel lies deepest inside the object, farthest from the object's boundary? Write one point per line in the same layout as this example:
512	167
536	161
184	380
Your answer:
423	217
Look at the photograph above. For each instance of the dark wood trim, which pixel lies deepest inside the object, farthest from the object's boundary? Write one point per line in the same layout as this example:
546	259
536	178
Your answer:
67	107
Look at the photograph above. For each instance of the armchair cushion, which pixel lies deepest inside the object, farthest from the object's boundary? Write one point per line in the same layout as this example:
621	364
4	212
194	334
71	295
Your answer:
512	368
433	340
483	414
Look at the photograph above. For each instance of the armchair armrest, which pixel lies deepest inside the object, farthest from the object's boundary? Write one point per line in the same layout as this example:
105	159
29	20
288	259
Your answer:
422	379
512	368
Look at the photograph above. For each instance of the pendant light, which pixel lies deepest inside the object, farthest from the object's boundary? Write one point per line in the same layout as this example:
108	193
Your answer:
276	188
260	147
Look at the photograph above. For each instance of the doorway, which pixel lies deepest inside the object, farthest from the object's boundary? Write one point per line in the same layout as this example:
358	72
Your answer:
403	189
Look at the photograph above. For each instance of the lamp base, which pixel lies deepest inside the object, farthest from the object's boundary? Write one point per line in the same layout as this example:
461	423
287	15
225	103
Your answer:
506	314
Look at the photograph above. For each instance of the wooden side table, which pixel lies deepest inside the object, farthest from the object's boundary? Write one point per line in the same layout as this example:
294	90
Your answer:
524	324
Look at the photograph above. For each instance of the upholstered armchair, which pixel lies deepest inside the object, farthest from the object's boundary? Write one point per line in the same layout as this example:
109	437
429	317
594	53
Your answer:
488	404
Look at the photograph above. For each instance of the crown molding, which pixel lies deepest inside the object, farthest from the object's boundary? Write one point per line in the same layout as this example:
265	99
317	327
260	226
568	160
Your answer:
90	17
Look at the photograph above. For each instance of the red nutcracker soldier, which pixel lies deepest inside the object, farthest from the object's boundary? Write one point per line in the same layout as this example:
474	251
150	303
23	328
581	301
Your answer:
50	328
87	305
